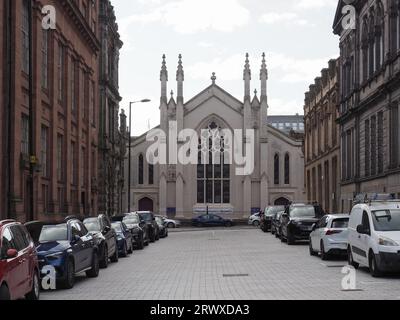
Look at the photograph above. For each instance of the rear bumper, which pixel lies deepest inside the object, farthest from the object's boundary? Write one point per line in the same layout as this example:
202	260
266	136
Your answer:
388	262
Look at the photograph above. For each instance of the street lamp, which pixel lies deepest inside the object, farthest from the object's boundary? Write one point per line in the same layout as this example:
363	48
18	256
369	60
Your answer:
129	151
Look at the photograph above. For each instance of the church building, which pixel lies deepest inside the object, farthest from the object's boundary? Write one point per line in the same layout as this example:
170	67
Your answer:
187	190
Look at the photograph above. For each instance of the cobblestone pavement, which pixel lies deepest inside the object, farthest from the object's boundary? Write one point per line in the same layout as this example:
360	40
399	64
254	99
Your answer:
237	263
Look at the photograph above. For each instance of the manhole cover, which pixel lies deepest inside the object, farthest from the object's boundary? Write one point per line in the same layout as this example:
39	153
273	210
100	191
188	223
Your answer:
235	275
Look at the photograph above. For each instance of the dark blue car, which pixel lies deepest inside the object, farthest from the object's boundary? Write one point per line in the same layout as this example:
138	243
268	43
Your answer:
124	238
68	247
211	220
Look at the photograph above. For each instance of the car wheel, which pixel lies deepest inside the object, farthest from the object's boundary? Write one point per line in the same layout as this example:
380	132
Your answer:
153	237
69	281
158	236
350	259
130	251
282	237
124	251
4	293
114	258
34	294
140	245
94	271
312	252
104	258
373	267
290	239
171	225
256	223
324	255
228	224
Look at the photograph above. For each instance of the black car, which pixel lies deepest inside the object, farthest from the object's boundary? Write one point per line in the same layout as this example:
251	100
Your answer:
298	220
211	220
267	217
105	237
138	228
124	238
153	230
68	247
162	226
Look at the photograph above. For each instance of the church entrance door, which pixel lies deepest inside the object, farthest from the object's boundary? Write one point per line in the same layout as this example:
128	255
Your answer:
146	204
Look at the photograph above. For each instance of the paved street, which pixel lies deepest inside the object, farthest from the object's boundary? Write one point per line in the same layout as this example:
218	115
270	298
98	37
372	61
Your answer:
237	263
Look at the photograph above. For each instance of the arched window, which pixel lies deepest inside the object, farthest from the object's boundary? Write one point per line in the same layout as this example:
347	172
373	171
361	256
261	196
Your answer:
151	174
287	169
372	46
276	170
364	52
213	175
141	169
379	38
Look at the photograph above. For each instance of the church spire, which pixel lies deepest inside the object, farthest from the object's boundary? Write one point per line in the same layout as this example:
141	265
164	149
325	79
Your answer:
247	77
180	77
164	78
263	77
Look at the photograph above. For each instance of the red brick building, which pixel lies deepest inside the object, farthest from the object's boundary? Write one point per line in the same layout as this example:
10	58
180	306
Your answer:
48	109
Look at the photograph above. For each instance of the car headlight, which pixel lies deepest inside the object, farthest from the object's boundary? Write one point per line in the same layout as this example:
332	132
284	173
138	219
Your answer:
387	242
119	238
55	256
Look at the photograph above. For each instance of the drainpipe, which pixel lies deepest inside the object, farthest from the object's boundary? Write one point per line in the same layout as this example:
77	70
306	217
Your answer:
8	107
32	160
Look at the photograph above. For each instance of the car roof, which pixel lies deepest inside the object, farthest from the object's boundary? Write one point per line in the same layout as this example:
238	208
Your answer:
381	205
6	222
339	215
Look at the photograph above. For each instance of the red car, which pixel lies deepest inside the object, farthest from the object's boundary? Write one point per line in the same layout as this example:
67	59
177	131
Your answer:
19	271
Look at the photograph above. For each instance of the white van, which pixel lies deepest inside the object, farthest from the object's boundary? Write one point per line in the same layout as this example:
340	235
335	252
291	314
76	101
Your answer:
374	237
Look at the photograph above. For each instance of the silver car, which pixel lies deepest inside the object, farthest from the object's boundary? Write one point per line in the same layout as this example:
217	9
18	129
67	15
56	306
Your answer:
171	223
255	219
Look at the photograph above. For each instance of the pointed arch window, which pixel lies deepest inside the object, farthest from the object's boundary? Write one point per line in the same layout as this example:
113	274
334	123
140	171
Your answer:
213	175
287	169
372	46
141	169
276	169
151	174
379	42
364	51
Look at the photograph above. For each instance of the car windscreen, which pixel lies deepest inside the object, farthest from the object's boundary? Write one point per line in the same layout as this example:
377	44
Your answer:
117	227
92	225
131	220
341	223
54	233
386	220
148	217
300	212
273	210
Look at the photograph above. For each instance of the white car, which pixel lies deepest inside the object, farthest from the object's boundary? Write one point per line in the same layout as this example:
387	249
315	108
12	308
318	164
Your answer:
255	219
171	223
329	236
374	237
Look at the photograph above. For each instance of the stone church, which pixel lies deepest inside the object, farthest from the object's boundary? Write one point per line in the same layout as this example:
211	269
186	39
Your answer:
184	191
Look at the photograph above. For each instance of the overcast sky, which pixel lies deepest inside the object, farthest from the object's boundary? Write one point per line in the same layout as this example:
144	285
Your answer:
214	36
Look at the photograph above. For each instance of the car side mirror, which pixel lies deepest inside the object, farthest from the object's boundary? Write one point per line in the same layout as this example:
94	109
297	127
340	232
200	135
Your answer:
106	229
75	239
361	230
12	253
285	215
314	227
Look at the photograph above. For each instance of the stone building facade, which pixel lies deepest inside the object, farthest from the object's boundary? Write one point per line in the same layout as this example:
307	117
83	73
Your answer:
49	109
112	140
184	191
369	99
322	143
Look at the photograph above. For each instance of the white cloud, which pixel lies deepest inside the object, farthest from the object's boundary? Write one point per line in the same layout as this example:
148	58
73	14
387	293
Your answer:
316	4
205	44
287	18
191	16
284	107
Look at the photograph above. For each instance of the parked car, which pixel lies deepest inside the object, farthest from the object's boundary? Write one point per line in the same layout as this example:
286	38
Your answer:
211	220
171	223
19	269
138	228
254	220
124	238
267	217
297	222
68	247
374	237
162	226
105	237
329	236
276	224
150	220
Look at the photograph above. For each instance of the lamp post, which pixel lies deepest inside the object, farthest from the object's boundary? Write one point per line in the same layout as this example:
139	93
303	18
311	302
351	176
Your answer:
129	151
